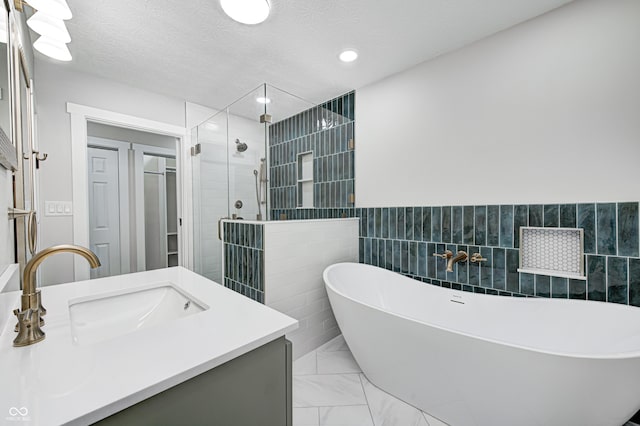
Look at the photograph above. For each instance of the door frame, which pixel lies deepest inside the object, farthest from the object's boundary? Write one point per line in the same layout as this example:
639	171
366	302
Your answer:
80	115
139	151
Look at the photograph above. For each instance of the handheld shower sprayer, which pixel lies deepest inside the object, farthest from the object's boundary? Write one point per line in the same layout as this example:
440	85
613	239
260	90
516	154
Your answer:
260	178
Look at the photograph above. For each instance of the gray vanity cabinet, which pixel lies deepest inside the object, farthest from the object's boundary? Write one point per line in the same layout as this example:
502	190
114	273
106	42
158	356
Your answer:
253	389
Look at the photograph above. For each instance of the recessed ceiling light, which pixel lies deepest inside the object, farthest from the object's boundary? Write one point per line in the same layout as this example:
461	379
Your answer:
348	55
263	100
248	12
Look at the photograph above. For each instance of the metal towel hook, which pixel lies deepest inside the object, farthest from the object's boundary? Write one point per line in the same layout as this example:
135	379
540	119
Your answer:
40	158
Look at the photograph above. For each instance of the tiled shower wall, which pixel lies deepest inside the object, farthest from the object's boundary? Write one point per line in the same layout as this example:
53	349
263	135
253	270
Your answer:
404	239
244	259
326	131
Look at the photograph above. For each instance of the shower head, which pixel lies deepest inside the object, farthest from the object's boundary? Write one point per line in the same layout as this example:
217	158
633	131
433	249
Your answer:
255	173
241	146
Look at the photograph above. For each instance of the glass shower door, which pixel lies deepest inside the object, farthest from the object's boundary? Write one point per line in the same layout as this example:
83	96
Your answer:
210	194
246	156
231	171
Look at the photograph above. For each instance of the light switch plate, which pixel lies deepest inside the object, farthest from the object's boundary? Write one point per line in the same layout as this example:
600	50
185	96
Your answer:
58	208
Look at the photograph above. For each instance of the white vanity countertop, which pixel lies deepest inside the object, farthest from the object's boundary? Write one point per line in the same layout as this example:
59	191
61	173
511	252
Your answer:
60	382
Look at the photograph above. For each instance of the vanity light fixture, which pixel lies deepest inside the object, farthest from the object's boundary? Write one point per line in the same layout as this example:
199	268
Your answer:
56	8
248	12
48	22
52	48
348	55
263	100
49	26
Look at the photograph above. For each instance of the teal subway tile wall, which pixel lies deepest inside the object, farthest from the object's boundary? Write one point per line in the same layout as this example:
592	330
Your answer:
404	239
244	259
327	132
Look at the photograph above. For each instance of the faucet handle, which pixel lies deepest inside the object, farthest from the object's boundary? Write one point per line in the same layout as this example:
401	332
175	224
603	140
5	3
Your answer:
23	316
477	257
446	255
29	331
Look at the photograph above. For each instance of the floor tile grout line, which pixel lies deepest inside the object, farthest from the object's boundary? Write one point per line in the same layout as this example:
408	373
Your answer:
326	374
333	406
329	374
366	399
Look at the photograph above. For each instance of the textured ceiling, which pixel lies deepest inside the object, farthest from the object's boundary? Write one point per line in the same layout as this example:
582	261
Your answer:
193	51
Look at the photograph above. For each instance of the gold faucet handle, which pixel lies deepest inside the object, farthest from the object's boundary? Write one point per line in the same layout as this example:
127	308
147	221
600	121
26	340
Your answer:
29	331
23	316
446	255
477	257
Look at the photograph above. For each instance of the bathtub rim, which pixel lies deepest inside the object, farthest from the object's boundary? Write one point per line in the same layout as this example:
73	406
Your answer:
618	356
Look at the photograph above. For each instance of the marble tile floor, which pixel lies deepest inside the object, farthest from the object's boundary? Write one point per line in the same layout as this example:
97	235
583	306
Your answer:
329	389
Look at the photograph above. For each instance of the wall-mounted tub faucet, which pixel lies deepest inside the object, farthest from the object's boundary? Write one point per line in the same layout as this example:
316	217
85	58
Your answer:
448	256
477	257
29	331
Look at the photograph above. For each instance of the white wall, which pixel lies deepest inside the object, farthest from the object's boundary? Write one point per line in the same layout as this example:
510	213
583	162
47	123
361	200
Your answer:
55	86
545	112
296	253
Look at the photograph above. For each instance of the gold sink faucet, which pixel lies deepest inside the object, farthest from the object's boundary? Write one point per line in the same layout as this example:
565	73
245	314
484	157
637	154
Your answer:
29	331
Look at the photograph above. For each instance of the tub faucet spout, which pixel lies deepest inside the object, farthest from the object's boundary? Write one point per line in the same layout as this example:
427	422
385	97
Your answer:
460	257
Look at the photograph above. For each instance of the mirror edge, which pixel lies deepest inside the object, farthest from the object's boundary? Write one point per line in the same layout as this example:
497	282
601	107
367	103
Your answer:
8	155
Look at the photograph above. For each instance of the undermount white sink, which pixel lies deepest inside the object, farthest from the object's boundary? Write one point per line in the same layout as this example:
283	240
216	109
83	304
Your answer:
104	316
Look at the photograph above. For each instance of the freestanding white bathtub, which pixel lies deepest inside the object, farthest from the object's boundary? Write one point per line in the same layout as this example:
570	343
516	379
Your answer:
472	359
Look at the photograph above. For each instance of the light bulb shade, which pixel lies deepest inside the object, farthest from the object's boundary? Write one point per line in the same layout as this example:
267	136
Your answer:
56	8
50	27
52	48
248	12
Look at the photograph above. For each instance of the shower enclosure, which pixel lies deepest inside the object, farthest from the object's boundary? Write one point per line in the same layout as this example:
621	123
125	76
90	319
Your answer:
230	168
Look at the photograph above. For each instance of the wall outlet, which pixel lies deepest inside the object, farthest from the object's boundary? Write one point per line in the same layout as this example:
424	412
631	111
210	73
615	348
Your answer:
58	208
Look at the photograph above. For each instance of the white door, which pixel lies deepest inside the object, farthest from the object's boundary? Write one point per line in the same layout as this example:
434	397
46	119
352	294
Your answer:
104	211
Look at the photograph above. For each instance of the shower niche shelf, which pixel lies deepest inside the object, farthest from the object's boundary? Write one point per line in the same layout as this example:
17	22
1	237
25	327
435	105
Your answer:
557	252
305	180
